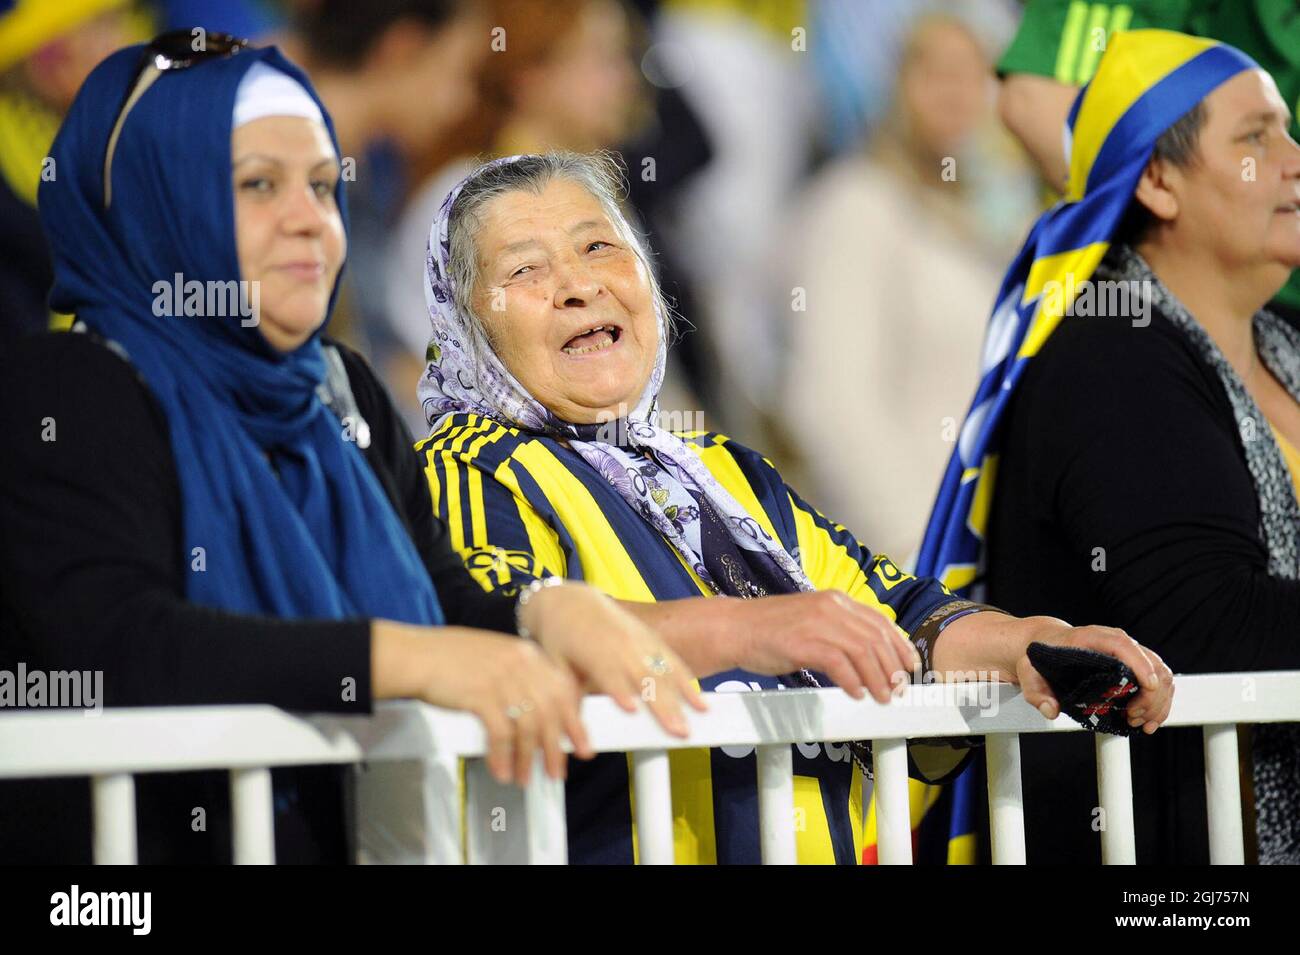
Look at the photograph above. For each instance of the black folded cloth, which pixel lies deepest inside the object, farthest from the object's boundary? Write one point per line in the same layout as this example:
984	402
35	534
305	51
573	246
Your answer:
1093	689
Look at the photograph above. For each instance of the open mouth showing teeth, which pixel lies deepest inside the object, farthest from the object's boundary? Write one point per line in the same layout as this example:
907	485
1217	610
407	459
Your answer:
1292	207
593	339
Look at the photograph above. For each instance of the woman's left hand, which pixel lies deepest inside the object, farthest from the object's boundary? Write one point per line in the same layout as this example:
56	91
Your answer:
608	650
1148	709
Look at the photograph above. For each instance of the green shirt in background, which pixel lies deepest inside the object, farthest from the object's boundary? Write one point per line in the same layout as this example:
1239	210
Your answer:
1057	38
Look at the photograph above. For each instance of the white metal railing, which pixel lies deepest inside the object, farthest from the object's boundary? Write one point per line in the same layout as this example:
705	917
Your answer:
409	755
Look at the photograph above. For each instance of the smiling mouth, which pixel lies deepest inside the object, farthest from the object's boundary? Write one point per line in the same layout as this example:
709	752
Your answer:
302	271
594	339
1292	207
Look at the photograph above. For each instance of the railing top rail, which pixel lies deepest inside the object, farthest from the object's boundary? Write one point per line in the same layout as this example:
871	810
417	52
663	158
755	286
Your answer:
63	742
800	715
46	743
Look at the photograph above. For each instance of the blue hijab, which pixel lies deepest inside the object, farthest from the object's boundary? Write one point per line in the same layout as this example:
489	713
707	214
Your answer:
314	536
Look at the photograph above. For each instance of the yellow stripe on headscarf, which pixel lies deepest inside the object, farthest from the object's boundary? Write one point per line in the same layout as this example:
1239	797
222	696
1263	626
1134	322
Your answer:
1059	276
1129	77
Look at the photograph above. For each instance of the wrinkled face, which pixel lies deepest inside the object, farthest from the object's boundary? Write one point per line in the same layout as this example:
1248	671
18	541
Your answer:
287	225
566	302
1242	194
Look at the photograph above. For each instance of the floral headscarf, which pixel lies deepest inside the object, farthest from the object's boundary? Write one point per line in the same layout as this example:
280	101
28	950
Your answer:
650	468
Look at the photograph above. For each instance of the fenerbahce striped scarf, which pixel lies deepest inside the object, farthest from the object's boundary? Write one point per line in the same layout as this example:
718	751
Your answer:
1146	81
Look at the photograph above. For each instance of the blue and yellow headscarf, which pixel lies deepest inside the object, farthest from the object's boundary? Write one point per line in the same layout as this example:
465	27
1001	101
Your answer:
1147	80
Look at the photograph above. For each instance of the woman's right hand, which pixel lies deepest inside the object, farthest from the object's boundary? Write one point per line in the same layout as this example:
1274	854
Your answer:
826	630
524	700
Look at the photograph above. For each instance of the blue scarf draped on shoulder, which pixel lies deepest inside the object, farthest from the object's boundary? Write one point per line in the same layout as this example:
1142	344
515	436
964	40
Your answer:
1145	82
281	515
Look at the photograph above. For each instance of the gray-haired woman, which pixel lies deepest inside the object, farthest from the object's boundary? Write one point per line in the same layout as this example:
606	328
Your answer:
546	460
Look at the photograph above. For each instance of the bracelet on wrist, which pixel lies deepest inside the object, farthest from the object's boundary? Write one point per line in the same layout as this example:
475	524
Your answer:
526	593
926	635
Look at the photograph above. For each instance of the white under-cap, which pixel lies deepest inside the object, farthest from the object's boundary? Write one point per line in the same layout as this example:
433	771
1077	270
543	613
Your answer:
266	91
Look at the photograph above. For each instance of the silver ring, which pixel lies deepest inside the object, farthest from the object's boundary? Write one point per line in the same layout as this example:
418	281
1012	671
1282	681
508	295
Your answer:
656	664
516	710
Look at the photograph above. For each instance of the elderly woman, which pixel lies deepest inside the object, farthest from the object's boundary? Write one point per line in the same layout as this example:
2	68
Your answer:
248	523
1145	422
545	460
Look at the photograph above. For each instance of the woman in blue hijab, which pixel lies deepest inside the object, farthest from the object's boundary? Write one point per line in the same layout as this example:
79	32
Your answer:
207	501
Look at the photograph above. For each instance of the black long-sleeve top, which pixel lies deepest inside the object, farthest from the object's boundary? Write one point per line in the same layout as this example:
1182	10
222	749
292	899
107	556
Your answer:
92	569
1123	499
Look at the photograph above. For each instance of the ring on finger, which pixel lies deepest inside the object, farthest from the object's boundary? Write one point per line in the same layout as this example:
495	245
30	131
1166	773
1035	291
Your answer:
656	664
516	710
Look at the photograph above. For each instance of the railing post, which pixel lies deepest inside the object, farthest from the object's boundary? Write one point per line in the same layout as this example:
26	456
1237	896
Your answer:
509	825
1223	795
252	816
496	820
893	809
409	811
652	786
1115	788
113	796
1006	799
776	805
548	833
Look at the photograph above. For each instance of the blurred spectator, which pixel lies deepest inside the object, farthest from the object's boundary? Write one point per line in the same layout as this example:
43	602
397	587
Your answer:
743	68
894	254
859	43
558	74
46	51
397	76
575	82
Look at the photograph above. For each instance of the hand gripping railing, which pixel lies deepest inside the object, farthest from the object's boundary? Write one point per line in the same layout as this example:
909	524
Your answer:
409	756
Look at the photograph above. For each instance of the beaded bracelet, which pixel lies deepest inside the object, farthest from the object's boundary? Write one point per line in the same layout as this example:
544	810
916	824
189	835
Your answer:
526	594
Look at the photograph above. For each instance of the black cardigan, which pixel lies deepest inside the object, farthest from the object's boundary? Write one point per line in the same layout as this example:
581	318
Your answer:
1123	499
92	578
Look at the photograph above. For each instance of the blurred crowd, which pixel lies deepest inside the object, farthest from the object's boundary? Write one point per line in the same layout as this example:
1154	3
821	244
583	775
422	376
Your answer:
825	184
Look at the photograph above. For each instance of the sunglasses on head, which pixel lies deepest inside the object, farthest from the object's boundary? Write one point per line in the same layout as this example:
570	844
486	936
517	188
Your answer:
175	50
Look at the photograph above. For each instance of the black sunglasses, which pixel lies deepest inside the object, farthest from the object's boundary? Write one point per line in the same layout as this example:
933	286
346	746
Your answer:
175	50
